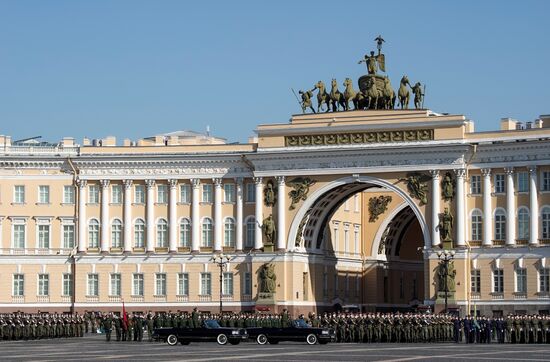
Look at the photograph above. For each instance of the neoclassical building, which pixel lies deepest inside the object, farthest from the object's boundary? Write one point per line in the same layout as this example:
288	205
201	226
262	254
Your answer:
361	201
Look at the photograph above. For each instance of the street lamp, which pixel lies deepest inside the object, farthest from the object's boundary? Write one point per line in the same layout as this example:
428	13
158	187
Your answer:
221	261
445	258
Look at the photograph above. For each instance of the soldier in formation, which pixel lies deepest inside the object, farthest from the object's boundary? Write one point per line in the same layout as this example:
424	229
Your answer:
24	326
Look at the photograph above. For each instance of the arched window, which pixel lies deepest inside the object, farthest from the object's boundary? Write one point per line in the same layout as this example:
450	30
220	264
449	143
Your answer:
206	233
116	234
162	234
229	232
250	232
185	233
545	215
476	225
523	223
93	234
139	233
500	224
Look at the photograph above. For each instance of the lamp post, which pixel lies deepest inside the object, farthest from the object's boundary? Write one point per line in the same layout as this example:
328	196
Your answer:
445	257
221	261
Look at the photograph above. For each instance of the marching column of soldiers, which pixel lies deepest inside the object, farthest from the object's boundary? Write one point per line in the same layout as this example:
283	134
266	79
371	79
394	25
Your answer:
20	326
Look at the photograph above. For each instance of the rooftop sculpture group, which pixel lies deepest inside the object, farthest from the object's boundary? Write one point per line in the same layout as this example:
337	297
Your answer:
375	90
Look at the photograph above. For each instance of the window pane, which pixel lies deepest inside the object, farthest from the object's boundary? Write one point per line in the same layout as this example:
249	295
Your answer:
185	194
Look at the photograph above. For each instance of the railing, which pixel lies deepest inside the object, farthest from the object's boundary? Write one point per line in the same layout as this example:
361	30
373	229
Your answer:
19	149
159	298
35	251
66	299
543	295
475	296
205	298
246	298
520	295
115	299
182	298
544	241
522	241
475	243
43	298
92	298
499	242
137	298
18	299
227	297
496	296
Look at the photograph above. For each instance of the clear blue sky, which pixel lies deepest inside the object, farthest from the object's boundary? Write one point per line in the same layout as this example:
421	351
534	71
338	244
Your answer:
136	68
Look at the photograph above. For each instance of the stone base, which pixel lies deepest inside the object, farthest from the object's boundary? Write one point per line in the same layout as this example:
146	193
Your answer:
265	299
268	248
439	306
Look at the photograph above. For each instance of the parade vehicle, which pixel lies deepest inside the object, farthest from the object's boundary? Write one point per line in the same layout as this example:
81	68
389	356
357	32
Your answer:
209	331
298	331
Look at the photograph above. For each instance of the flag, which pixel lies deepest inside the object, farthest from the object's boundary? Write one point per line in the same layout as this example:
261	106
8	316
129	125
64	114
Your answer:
124	315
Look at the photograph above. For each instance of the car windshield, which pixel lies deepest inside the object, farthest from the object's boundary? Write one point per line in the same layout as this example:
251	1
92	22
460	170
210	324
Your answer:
300	323
210	323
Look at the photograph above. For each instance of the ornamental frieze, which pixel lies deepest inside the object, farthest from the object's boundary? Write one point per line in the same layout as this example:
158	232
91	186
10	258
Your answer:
352	138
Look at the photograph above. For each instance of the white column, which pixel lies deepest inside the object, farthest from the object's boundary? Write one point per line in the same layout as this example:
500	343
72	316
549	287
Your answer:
510	207
487	208
105	224
533	206
239	221
150	215
281	213
460	208
258	242
436	201
218	222
195	215
127	216
172	217
82	226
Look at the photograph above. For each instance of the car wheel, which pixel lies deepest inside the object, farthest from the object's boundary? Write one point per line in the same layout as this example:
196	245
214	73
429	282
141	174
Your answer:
172	339
311	339
261	339
221	339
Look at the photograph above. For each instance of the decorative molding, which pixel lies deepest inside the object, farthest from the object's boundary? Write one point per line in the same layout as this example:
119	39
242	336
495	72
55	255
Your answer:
349	138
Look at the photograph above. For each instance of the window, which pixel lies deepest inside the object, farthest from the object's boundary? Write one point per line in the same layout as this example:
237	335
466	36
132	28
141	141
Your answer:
500	225
68	194
500	183
185	194
250	232
162	194
18	285
115	285
523	224
139	234
356	202
207	232
346	239
93	194
43	284
523	182
93	234
346	205
229	192
162	233
545	181
137	285
139	194
227	284
498	281
477	224
19	194
247	284
475	184
183	284
116	194
206	284
43	236
521	280
229	232
185	233
544	279
160	284
250	192
545	223
116	234
207	193
67	284
93	285
19	231
475	281
43	194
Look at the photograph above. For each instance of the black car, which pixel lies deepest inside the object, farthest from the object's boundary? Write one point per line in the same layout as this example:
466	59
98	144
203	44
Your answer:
298	331
209	331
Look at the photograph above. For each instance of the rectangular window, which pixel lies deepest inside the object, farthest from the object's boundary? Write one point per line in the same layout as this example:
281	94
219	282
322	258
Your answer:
206	284
43	236
19	231
43	284
18	285
475	184
523	182
475	281
229	192
183	284
185	194
139	194
250	192
207	193
137	285
160	284
498	281
346	205
93	194
44	194
227	284
500	183
545	181
346	239
247	283
93	285
544	279
356	240
116	194
67	285
521	280
162	194
356	202
19	194
115	285
477	224
68	194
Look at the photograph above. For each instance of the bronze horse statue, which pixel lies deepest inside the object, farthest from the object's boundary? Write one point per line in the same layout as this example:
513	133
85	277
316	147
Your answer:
336	98
388	94
403	93
372	94
322	96
351	95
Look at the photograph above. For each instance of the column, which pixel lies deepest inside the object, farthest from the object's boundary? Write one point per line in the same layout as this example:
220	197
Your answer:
218	222
487	208
81	215
127	216
150	215
460	208
105	216
533	206
436	201
258	242
195	216
281	213
510	207
239	221
172	217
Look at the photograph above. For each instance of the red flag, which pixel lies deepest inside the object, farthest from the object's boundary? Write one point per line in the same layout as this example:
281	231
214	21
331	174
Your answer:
124	315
